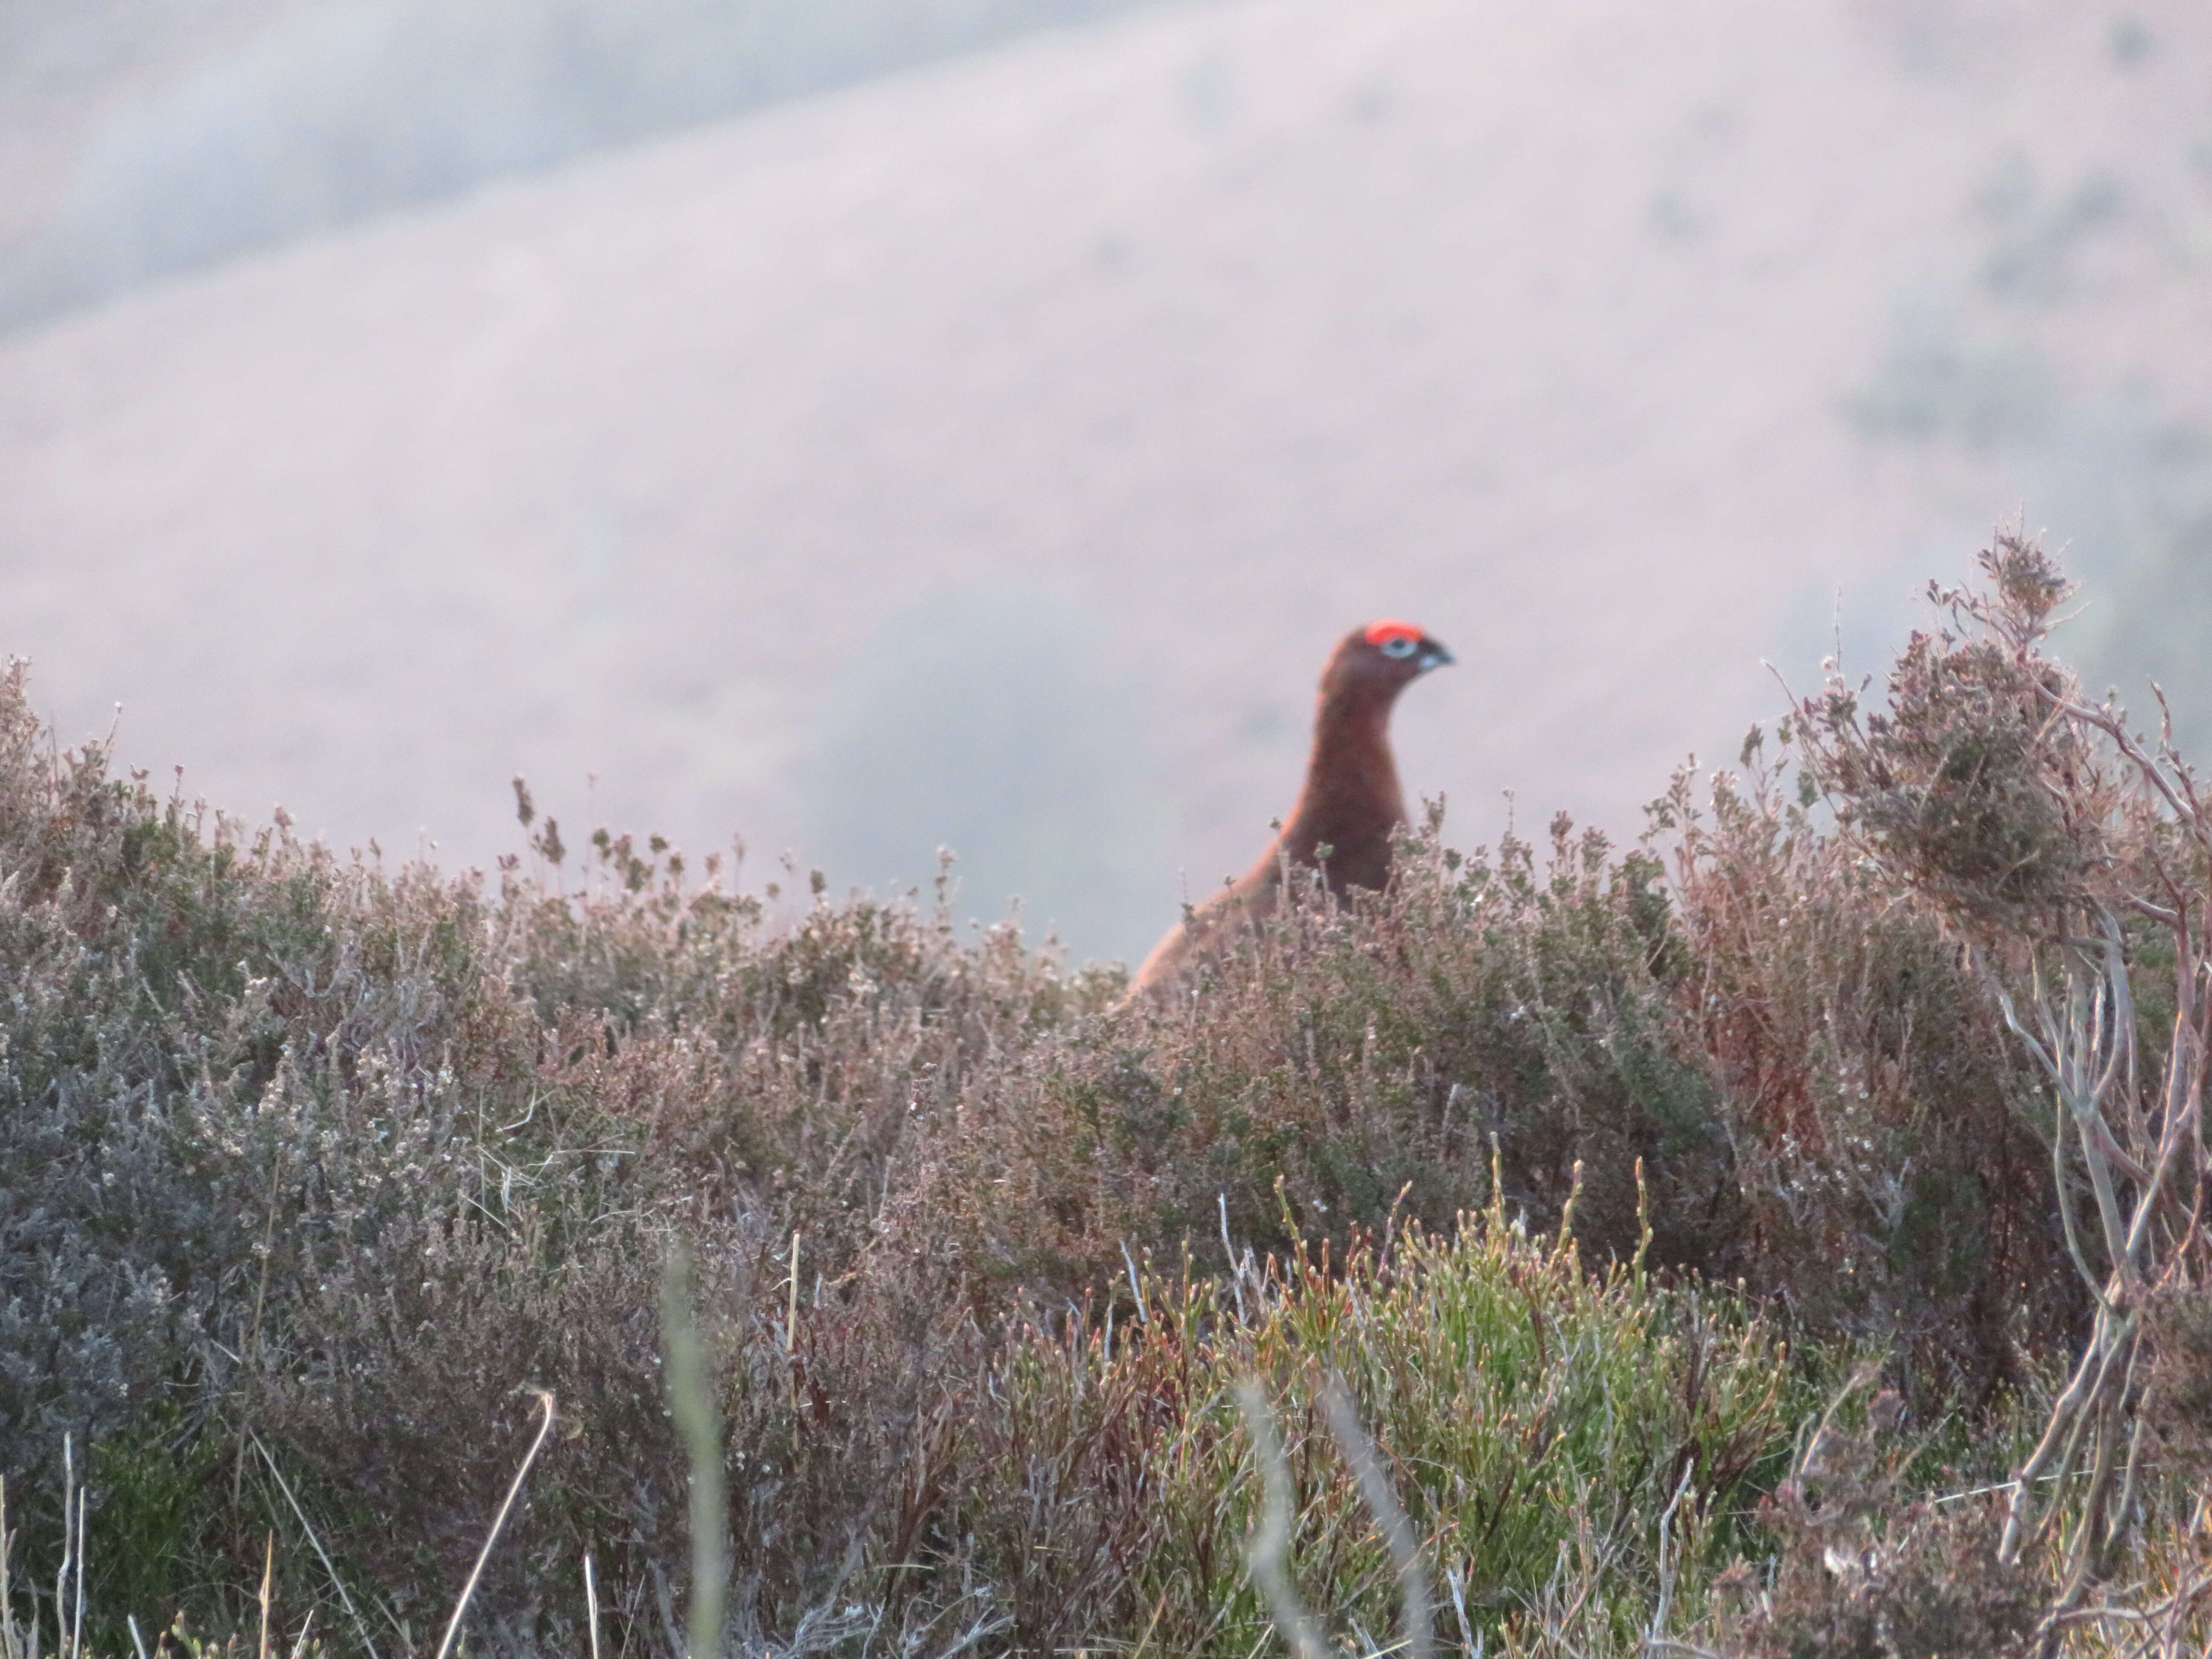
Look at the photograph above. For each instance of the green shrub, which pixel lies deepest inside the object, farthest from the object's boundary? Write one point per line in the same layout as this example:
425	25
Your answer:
1530	1413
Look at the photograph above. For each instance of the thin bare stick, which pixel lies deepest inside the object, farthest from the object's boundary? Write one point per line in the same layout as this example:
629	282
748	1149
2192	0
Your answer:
592	1602
69	1537
9	1646
791	1323
83	1498
513	1490
1229	1253
1667	1568
1136	1286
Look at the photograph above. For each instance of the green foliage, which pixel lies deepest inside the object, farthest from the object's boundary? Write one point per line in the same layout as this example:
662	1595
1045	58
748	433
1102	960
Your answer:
1528	1410
147	1545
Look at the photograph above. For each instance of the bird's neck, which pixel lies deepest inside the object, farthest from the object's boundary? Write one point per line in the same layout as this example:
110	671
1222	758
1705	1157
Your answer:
1351	801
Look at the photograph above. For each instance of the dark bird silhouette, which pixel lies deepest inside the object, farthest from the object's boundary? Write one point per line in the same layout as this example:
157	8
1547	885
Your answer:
1348	810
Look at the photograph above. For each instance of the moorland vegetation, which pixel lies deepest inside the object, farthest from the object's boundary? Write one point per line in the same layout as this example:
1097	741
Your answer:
1778	1238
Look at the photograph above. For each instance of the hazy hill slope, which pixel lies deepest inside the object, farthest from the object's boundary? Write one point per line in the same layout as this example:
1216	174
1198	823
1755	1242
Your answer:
991	453
139	138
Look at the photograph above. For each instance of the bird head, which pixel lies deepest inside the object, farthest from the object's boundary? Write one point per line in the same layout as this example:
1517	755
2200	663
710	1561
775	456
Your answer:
1384	656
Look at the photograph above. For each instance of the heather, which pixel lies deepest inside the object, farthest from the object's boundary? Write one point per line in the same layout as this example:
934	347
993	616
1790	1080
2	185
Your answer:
1687	1239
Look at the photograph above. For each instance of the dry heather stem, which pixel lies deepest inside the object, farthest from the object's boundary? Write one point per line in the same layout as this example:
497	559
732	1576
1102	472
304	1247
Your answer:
2041	822
2085	1040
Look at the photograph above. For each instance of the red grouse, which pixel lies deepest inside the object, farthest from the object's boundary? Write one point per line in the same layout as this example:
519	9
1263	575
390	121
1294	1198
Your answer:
1349	808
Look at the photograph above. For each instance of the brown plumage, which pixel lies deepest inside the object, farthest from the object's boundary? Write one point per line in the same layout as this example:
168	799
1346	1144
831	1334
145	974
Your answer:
1350	806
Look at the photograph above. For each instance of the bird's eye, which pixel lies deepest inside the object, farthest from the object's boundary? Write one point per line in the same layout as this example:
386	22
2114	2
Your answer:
1401	647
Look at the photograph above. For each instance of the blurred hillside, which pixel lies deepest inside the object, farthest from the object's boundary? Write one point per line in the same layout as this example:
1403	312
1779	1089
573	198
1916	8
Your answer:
988	453
154	137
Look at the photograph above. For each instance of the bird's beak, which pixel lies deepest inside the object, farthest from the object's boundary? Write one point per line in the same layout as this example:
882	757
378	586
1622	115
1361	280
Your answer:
1435	656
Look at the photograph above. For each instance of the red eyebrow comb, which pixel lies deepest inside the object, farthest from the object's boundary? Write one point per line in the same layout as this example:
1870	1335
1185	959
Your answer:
1377	633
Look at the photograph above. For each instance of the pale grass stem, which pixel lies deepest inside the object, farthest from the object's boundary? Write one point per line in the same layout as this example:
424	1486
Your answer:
21	1641
1229	1253
513	1490
61	1578
77	1641
1136	1287
1417	1623
1668	1567
268	1573
69	1632
1267	1551
791	1326
14	1644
